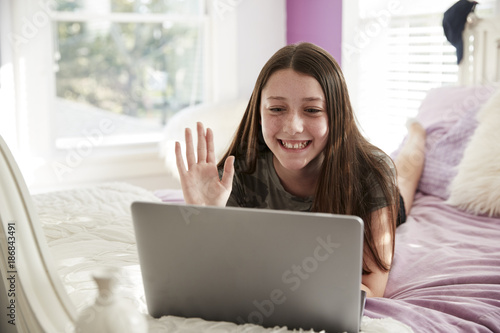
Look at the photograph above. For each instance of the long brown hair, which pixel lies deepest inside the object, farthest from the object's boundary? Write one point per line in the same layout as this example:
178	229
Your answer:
349	158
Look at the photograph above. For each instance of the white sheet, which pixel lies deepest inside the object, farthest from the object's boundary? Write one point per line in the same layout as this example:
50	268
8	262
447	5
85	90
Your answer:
90	228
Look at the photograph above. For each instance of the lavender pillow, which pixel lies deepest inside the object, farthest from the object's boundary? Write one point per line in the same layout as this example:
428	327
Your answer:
449	117
443	156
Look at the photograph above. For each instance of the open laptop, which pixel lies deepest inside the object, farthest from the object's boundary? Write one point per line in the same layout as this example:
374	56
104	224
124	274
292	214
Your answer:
241	265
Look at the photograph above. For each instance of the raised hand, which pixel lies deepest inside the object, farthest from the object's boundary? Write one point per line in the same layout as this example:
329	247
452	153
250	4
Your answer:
200	181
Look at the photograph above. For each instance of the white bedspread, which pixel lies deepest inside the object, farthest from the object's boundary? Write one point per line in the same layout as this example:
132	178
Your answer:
91	228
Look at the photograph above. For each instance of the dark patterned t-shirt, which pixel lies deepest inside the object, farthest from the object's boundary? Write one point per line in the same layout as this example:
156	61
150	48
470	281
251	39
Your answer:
263	189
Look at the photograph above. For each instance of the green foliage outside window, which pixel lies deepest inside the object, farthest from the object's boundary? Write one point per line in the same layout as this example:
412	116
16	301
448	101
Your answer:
145	70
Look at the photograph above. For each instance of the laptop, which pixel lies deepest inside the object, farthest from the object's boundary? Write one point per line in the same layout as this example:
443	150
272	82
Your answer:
242	265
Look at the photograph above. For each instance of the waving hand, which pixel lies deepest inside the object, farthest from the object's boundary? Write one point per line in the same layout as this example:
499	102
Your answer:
200	180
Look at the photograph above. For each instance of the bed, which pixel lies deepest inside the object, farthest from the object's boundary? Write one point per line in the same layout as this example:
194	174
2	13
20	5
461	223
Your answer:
446	271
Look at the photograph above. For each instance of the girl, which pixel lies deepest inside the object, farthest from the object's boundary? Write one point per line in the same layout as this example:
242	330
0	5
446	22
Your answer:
298	148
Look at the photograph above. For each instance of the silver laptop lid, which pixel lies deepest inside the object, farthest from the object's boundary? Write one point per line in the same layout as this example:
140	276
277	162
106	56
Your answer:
267	267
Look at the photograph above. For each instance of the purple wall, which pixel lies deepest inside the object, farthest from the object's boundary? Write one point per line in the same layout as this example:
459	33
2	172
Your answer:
315	21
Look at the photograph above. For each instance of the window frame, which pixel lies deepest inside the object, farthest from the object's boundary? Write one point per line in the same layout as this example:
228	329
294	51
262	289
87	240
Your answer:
127	17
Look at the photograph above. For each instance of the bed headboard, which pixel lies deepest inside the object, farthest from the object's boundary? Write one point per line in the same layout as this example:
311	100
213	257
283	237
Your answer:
481	60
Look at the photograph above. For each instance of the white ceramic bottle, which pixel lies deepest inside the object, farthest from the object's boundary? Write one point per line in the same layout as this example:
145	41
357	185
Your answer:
110	313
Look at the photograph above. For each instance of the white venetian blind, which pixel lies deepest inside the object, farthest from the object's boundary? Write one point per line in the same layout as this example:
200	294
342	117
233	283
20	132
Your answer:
420	58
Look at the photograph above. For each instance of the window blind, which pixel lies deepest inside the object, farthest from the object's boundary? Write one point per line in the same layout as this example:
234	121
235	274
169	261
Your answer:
420	58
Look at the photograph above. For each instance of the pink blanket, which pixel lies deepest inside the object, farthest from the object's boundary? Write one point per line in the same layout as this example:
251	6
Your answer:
446	271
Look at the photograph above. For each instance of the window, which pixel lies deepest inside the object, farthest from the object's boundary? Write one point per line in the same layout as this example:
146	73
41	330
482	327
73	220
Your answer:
403	53
133	63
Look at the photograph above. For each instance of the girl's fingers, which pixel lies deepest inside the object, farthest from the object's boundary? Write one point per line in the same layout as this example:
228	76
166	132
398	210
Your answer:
202	143
210	146
178	159
190	158
227	176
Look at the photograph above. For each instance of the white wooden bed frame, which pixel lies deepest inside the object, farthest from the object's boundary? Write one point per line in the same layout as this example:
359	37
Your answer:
41	303
481	59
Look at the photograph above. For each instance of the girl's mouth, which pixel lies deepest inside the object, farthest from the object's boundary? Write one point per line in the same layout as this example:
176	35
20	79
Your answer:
295	144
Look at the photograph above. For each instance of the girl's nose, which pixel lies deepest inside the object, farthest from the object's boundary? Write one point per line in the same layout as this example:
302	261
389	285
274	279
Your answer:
293	123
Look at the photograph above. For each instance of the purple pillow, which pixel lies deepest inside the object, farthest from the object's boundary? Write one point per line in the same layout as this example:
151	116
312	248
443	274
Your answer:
449	116
443	156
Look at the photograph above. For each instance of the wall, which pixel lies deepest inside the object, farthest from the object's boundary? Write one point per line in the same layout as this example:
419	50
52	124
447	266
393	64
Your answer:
316	21
261	31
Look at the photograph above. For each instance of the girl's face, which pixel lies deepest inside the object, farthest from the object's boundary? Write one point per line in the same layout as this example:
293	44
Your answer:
294	120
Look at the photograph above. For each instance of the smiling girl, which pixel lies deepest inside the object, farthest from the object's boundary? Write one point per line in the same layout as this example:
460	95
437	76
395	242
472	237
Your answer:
298	147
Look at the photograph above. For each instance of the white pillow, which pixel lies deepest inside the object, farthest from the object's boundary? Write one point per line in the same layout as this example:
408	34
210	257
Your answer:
476	187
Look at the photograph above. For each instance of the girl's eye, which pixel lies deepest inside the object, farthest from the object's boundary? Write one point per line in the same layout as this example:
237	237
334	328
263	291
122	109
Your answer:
276	109
312	110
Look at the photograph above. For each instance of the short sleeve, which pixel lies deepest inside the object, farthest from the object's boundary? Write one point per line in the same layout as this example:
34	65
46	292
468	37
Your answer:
375	194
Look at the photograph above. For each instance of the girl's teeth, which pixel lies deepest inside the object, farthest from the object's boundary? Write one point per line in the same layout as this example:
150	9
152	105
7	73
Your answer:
295	146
